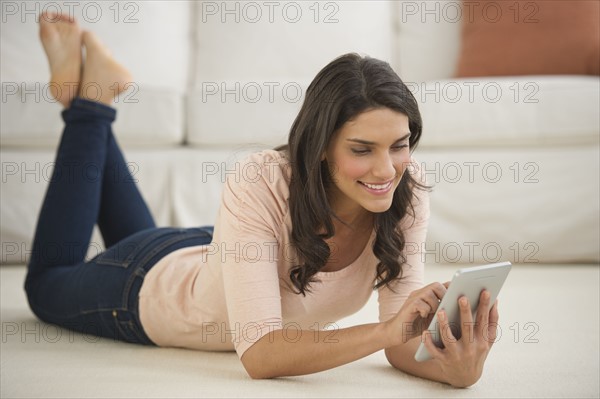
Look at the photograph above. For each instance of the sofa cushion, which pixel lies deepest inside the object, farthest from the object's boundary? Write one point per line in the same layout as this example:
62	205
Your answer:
530	38
147	117
426	39
230	112
198	178
182	187
25	177
254	60
513	111
524	205
157	58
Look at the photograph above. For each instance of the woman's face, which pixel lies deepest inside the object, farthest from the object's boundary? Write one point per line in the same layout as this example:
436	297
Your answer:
367	158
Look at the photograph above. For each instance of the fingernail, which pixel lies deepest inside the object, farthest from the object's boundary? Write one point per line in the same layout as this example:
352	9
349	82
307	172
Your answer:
463	301
441	315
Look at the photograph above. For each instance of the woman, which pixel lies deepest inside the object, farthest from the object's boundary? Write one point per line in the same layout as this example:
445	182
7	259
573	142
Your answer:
300	240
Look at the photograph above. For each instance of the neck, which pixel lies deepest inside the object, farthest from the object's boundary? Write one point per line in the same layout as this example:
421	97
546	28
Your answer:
356	222
351	223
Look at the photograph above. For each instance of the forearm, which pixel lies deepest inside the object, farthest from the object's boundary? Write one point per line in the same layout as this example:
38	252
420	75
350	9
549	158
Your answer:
276	355
402	358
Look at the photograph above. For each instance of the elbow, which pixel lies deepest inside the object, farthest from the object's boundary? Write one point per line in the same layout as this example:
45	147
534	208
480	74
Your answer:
257	373
395	358
257	365
394	365
253	373
258	376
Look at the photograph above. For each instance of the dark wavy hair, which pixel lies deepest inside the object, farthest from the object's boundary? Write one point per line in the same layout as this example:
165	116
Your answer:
346	87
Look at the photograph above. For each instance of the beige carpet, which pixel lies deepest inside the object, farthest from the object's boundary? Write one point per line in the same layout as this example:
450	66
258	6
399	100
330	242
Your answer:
549	320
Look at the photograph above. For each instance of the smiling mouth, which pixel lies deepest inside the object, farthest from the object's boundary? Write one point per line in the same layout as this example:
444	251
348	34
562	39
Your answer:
381	187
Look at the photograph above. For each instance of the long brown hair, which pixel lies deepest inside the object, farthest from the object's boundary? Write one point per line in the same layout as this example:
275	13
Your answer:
346	87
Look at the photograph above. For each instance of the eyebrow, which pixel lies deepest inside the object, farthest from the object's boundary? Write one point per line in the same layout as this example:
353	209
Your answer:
360	141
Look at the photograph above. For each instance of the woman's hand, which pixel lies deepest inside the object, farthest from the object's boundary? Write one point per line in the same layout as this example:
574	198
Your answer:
416	313
462	360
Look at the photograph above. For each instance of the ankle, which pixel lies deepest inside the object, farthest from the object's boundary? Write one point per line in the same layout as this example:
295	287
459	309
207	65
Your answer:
92	91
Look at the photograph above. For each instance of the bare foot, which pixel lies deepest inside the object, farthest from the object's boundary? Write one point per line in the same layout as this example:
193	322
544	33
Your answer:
103	77
61	38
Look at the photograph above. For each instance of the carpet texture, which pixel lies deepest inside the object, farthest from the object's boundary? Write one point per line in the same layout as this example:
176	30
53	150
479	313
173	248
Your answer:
549	347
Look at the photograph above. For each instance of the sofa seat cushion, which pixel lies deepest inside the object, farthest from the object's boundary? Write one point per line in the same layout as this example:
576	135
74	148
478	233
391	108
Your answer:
182	187
25	177
524	205
510	111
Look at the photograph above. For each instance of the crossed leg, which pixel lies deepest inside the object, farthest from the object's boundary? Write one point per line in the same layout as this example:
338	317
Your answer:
91	183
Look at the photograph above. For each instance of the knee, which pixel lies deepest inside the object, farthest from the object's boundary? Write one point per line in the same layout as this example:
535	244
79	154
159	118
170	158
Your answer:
30	290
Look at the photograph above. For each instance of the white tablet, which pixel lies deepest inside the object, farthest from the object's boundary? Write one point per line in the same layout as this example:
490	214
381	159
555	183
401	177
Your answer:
468	282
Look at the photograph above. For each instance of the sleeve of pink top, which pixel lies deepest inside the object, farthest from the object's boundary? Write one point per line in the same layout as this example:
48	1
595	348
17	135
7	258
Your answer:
248	218
415	232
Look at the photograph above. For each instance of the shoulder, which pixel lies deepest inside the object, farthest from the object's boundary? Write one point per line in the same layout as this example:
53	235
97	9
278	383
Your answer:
265	165
259	183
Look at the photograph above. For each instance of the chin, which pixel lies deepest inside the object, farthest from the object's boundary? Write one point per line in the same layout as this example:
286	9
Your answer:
378	208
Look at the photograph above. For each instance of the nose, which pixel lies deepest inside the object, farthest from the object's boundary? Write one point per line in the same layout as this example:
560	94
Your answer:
384	168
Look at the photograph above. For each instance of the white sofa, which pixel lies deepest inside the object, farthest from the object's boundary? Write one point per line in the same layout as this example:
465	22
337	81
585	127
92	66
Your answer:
514	160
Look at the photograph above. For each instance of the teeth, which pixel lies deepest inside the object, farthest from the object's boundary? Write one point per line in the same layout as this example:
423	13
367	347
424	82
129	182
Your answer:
377	186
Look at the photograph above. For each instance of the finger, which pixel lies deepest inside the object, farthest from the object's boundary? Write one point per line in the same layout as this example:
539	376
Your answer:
446	335
446	284
439	290
466	320
494	315
422	307
492	327
431	298
433	350
483	312
431	295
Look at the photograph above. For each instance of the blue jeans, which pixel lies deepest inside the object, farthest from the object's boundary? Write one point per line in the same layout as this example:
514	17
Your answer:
91	184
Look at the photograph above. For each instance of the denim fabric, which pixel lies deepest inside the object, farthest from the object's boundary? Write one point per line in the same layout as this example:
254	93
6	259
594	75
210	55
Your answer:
91	184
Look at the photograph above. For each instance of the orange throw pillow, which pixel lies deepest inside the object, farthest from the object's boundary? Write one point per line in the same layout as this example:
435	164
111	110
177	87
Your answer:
511	37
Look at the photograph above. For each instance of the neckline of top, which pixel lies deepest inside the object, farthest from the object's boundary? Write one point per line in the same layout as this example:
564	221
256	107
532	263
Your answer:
352	266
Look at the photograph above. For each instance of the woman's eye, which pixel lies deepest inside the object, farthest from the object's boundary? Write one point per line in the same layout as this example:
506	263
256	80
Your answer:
366	151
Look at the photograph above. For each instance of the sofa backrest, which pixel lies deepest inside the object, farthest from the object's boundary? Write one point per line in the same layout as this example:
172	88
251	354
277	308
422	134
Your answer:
215	73
427	35
150	38
253	62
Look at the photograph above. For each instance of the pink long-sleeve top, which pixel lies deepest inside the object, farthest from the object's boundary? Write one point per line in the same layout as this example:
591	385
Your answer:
228	294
